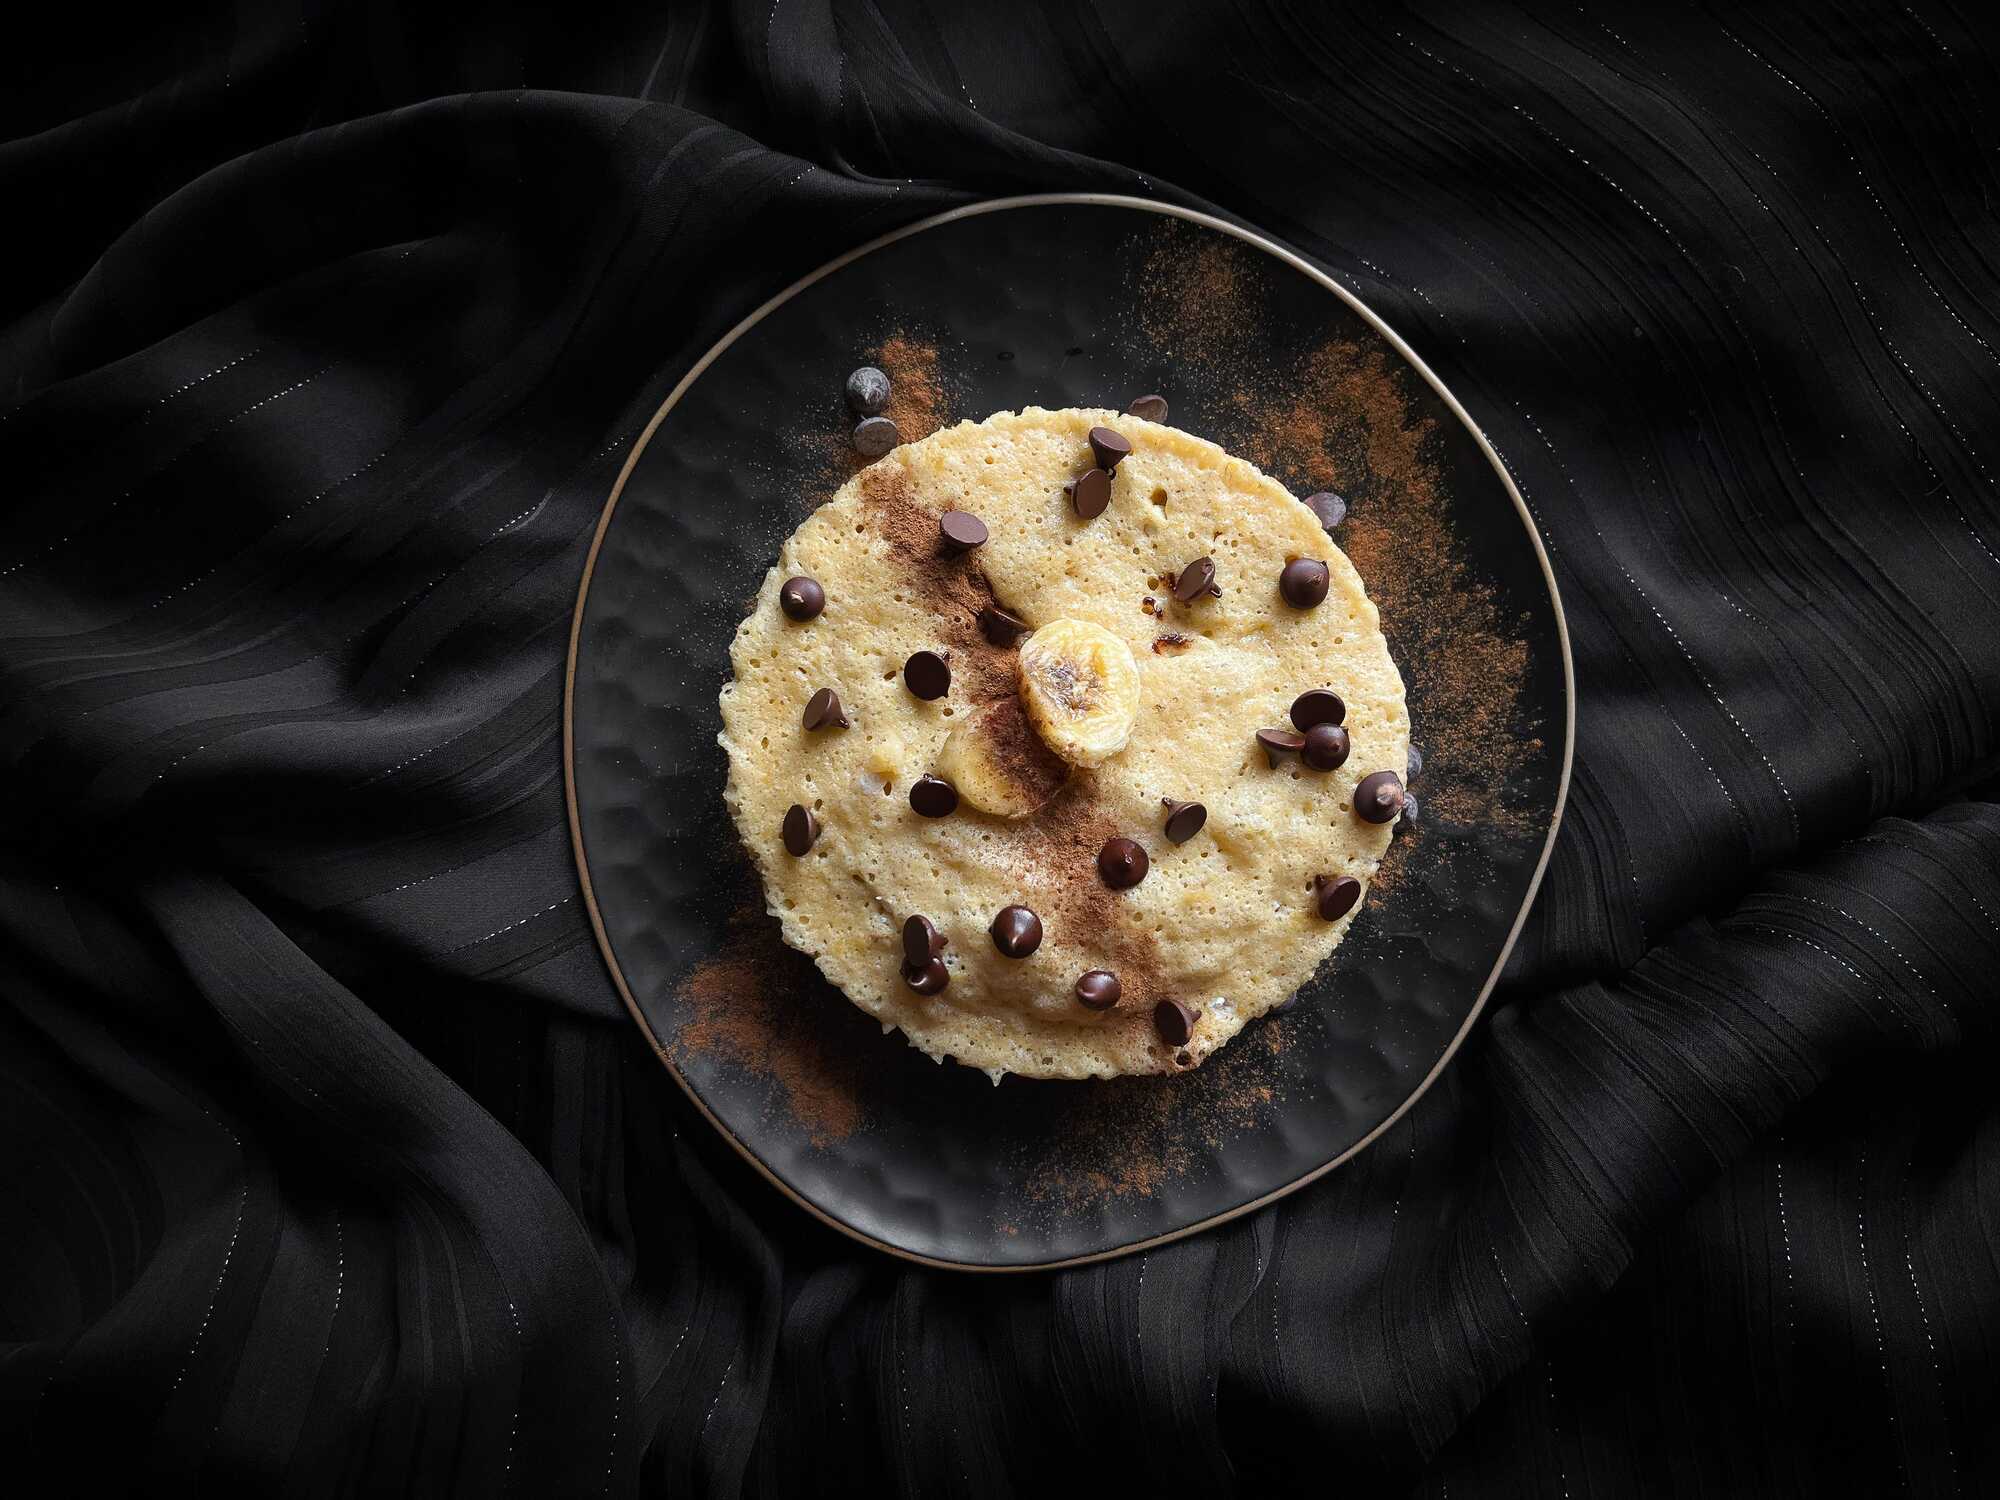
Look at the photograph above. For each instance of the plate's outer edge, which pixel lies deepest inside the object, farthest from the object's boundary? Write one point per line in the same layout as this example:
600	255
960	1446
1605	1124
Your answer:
1297	262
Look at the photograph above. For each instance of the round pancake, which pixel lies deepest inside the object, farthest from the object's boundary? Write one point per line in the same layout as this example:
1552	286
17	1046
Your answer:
1225	923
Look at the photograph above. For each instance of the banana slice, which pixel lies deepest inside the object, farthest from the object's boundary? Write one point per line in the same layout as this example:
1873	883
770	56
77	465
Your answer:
1081	688
999	765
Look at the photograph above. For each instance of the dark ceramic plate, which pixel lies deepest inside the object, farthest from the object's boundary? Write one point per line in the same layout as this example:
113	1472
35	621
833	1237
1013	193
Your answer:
1058	301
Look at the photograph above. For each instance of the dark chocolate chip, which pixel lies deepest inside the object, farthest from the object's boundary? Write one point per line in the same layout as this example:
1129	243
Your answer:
929	979
1379	797
823	711
1151	408
1303	582
1090	493
1098	990
1196	579
1017	932
1184	819
875	436
1122	864
1001	628
961	530
934	797
1278	743
867	391
1414	766
922	942
1334	895
801	830
1319	706
1108	447
1329	507
801	598
926	675
1174	1022
1326	747
1411	812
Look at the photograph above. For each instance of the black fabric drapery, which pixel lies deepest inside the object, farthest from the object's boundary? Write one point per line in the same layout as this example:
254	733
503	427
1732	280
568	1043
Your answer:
331	1163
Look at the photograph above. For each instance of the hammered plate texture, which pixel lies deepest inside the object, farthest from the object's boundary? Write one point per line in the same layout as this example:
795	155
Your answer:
1050	303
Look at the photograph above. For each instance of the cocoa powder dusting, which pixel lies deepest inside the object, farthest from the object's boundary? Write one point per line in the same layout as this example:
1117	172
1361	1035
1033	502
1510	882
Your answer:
917	399
757	1004
1337	417
922	399
951	585
1126	1137
1055	852
1020	752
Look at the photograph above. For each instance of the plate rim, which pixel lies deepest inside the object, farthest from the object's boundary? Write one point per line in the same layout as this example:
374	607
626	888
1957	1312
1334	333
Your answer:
1299	263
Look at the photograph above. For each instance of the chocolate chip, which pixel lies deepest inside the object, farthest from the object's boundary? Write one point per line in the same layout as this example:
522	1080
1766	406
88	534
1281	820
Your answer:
823	711
1334	895
867	391
1174	1022
875	436
1414	766
1151	408
1184	819
1108	447
1326	747
1303	582
1329	507
1278	743
1379	797
1319	706
801	598
922	942
801	830
1410	813
1196	579
1122	864
926	675
1090	493
929	979
934	797
961	530
1098	990
1017	932
1001	628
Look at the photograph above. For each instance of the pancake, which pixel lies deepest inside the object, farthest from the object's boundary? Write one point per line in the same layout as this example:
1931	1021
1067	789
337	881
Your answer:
1226	924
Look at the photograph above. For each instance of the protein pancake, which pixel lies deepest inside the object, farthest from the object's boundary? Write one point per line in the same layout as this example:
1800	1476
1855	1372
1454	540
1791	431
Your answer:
1064	742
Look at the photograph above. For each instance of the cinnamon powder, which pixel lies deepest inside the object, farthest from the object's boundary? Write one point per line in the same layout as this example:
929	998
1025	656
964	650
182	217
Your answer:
1338	417
1055	852
1130	1137
763	1007
918	402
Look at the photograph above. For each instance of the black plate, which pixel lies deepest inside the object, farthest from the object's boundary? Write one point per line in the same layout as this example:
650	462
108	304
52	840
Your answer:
1063	301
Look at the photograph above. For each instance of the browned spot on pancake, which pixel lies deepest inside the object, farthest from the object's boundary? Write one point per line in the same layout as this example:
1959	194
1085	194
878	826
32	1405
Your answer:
1173	641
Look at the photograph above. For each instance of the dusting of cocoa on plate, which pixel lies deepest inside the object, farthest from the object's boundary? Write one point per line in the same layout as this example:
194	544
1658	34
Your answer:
918	403
1338	417
752	1005
1125	1137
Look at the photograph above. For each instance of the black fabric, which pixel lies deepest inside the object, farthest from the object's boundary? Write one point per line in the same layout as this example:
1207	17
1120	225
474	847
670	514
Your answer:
332	1165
